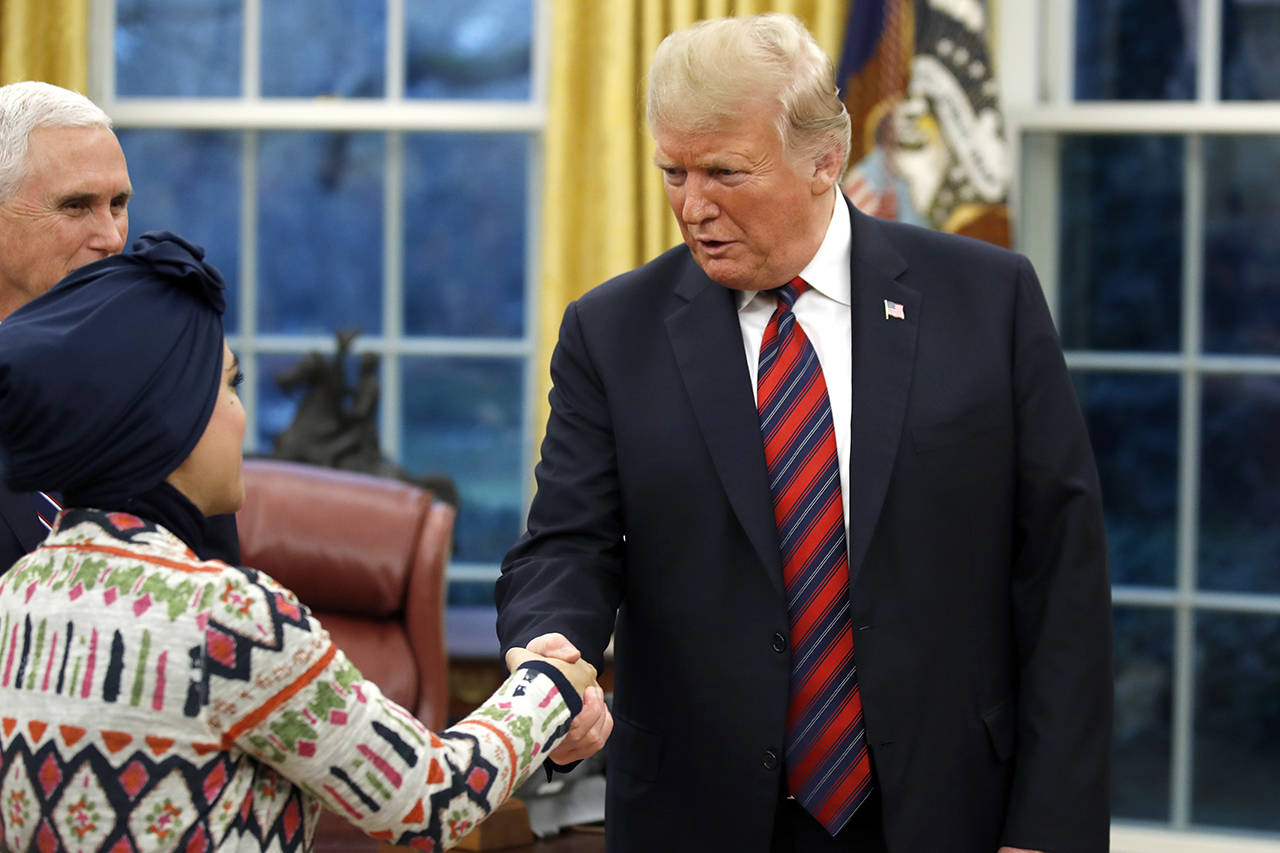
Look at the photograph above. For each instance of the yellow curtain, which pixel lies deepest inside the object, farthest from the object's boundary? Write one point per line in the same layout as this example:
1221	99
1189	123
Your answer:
603	207
45	40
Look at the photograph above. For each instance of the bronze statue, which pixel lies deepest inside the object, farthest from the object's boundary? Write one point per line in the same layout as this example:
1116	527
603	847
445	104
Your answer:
336	425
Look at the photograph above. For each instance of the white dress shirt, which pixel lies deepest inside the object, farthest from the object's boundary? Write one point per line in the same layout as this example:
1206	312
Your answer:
823	311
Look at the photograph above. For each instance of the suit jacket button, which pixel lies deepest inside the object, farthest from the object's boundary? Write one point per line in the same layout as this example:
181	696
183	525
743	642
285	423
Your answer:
769	761
779	643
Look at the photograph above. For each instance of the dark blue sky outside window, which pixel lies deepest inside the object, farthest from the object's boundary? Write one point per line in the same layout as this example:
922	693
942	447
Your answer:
188	182
334	48
1135	50
469	49
178	48
1122	287
1250	50
1237	717
1133	425
1121	242
319	212
1143	713
464	416
320	232
1240	491
1242	253
465	203
454	49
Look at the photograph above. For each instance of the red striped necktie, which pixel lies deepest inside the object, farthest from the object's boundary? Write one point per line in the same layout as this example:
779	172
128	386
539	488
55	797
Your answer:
47	509
828	768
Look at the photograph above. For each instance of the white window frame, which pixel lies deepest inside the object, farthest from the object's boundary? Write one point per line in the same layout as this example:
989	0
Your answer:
395	116
1037	54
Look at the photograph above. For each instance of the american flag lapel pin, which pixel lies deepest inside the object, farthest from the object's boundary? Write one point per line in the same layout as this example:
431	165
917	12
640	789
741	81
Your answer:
894	310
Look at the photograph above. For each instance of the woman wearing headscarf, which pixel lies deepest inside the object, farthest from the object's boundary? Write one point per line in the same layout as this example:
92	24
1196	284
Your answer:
150	700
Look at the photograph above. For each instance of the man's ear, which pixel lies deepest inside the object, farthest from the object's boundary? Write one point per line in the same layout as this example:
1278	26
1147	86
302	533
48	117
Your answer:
826	170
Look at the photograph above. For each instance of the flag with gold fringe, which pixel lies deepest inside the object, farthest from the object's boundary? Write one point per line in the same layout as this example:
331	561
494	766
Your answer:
928	141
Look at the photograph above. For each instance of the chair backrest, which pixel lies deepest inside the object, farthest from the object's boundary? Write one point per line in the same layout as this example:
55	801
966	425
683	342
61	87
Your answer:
368	556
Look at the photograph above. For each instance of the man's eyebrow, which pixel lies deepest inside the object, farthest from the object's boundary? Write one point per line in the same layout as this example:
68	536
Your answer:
86	197
76	197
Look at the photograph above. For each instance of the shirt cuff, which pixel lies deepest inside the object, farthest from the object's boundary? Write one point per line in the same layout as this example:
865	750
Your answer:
571	697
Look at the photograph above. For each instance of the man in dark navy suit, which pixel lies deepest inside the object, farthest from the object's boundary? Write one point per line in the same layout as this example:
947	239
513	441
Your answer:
890	567
64	197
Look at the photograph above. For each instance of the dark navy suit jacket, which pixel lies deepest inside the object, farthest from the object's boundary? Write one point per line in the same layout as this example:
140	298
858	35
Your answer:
20	528
979	589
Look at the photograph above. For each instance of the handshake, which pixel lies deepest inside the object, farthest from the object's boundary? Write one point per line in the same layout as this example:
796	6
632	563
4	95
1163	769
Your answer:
591	728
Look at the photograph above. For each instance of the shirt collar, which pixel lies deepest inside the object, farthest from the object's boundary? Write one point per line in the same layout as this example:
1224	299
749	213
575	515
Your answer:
828	270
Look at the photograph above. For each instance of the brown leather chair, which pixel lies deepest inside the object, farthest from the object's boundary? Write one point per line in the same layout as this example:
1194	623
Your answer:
368	556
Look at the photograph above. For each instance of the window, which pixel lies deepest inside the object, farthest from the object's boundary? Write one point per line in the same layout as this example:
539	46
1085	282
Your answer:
354	165
1149	201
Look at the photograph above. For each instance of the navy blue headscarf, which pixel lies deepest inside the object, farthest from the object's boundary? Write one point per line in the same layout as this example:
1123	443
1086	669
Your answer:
108	380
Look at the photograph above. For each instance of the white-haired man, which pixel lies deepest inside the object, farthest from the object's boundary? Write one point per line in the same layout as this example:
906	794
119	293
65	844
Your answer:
64	203
803	440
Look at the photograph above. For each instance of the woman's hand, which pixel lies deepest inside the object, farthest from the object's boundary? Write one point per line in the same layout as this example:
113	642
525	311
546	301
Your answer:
593	725
580	673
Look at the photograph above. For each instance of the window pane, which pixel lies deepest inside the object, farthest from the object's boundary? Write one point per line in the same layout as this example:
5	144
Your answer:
1121	242
178	47
1144	687
343	52
188	182
1242	217
462	417
1133	425
471	594
1237	717
1135	50
1250	50
276	406
464	234
474	49
1240	493
320	232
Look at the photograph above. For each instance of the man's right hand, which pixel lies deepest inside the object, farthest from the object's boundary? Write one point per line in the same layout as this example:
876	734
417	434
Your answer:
591	728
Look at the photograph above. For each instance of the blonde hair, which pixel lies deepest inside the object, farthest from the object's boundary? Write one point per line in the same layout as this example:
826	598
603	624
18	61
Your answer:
29	105
701	79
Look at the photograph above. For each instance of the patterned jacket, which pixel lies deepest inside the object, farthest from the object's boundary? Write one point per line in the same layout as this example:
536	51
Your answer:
151	701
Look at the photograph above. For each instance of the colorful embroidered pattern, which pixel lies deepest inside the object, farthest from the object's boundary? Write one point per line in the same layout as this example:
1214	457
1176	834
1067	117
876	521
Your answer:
150	701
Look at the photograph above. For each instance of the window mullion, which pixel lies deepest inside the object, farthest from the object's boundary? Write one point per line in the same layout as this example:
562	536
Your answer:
1182	770
1039	209
541	66
1058	35
251	56
248	273
396	48
102	52
1209	51
533	371
392	296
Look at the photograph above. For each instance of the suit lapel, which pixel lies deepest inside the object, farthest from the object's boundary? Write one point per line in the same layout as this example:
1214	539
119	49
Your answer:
883	361
707	342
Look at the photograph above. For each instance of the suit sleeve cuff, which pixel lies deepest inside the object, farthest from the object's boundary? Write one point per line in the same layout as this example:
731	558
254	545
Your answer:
552	767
